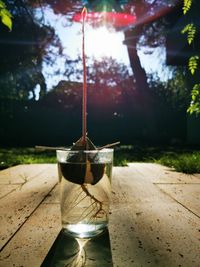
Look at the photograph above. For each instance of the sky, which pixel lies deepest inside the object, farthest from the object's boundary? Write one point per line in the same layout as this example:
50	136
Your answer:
98	42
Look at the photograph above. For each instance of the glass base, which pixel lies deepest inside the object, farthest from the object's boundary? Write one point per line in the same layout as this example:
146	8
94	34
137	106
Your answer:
83	230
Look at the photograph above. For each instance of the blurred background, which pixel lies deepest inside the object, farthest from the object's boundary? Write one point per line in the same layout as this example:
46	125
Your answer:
139	85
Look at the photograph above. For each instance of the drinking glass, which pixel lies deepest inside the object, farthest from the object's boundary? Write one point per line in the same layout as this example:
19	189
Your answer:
85	190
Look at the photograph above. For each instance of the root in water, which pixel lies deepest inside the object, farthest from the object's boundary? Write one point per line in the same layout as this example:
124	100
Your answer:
93	211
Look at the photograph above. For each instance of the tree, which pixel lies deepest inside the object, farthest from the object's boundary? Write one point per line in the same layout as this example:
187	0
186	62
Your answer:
23	66
22	52
109	88
147	31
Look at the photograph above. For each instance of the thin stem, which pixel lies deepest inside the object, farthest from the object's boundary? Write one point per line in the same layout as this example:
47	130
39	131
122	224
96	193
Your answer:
84	104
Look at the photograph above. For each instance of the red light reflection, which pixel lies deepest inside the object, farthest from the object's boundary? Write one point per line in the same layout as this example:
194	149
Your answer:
112	18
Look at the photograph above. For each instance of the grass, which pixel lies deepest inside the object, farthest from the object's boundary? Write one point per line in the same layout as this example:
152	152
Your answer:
181	160
186	162
14	156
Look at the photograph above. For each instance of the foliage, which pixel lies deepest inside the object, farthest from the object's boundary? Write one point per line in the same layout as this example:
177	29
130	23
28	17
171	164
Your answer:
108	71
22	66
174	92
113	105
23	52
195	103
190	29
186	6
185	162
5	15
106	77
103	72
193	62
14	156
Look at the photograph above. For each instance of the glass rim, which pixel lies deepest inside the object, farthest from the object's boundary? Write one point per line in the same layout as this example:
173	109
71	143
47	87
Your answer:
103	150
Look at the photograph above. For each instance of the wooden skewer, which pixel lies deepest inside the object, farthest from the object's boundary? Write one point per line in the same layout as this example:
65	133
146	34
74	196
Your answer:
65	148
108	145
50	148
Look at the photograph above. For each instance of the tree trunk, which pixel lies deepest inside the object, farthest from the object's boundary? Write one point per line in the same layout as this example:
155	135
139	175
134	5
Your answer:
138	71
142	88
143	103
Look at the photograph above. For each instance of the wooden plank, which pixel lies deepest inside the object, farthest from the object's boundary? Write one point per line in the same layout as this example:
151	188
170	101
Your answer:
21	173
161	174
53	196
187	195
30	245
16	207
7	189
147	227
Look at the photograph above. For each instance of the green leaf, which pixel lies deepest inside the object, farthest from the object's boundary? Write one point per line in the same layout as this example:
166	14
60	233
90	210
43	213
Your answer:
190	29
195	100
193	64
2	5
6	20
194	108
196	88
5	16
186	6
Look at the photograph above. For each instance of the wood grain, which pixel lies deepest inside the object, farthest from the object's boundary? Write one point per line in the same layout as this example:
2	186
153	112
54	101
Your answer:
17	206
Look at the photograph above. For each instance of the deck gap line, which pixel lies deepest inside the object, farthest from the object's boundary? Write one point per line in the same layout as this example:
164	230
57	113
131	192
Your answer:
175	183
26	219
49	203
10	192
179	202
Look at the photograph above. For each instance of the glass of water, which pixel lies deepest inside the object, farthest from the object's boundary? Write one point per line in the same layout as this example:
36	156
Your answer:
85	190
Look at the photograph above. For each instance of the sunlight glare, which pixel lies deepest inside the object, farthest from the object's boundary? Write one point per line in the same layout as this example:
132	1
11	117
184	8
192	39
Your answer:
102	42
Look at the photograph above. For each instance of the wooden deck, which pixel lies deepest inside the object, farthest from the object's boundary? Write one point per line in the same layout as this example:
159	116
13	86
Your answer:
154	220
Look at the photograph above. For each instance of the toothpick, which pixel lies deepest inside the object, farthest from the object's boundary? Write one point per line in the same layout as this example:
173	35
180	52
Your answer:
50	148
108	145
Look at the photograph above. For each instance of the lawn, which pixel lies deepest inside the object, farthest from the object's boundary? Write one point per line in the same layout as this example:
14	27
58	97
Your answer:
14	156
181	160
